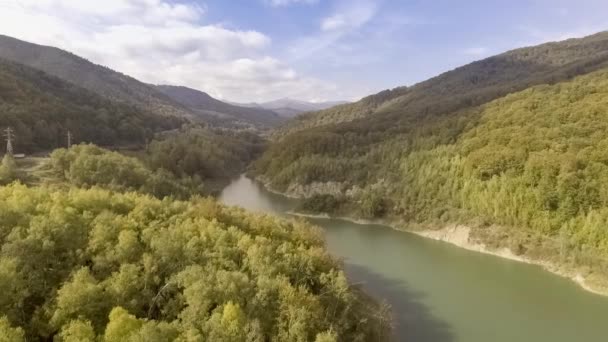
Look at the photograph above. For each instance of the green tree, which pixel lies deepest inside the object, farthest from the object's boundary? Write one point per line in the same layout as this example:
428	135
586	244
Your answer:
8	170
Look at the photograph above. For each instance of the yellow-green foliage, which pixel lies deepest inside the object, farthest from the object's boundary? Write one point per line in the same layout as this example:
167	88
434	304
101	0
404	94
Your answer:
536	160
89	165
402	109
8	170
93	265
209	154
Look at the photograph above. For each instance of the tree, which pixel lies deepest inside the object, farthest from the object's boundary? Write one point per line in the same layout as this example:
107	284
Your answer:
9	333
8	170
79	264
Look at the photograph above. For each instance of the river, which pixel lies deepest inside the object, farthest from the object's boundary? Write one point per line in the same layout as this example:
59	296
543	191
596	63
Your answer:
440	293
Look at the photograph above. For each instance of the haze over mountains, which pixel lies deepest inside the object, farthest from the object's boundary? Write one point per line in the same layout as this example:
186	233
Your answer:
290	108
202	103
180	102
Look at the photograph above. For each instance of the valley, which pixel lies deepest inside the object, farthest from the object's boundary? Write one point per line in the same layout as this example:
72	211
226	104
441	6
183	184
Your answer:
433	282
132	211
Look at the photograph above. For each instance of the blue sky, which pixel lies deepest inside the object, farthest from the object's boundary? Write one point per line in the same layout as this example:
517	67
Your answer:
258	50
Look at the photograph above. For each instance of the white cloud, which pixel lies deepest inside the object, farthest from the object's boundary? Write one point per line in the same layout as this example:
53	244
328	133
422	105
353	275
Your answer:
281	3
158	41
334	22
350	15
347	18
476	51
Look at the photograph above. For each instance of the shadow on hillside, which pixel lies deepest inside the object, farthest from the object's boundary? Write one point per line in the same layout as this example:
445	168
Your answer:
412	319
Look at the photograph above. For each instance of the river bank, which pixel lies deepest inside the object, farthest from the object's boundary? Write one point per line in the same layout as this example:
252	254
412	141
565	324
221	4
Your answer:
460	236
438	292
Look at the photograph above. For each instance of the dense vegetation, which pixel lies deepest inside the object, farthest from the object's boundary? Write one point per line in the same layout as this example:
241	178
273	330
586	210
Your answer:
89	265
126	90
199	152
86	166
100	247
531	163
9	172
95	78
42	109
396	111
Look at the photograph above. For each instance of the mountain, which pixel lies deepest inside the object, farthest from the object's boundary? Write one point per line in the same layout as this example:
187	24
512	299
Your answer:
41	108
290	108
200	102
96	78
466	86
125	89
513	146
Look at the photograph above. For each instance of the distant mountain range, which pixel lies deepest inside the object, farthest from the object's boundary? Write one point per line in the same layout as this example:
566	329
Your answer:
42	109
124	89
203	104
289	108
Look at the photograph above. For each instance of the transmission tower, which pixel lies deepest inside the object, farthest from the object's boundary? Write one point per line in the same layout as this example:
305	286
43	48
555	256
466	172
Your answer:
69	139
9	135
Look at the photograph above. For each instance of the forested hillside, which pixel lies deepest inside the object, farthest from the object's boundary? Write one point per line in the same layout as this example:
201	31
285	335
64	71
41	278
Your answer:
87	166
204	104
42	108
210	155
474	84
92	265
163	100
527	170
95	78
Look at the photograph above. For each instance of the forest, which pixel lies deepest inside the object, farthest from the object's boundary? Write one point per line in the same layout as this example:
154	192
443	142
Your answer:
42	109
109	246
97	265
209	154
118	238
528	170
398	110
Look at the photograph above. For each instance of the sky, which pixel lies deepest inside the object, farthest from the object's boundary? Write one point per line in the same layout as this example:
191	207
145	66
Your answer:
312	50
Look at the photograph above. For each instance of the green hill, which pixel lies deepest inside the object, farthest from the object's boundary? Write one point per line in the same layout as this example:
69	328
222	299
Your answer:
42	108
96	78
93	265
127	90
526	170
473	84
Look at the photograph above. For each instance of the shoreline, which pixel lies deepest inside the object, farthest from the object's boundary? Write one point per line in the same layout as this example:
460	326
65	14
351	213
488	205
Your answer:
459	236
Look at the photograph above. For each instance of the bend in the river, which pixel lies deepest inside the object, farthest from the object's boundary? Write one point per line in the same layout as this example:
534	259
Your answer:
442	293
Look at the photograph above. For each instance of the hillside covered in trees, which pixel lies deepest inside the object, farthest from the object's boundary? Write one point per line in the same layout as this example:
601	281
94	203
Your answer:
42	108
93	265
526	170
87	166
204	104
121	88
470	85
95	78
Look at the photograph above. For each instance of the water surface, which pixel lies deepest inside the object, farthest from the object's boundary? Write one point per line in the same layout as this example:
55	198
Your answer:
439	292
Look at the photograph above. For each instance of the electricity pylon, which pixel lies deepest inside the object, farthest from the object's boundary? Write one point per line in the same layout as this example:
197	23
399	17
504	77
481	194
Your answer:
8	134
